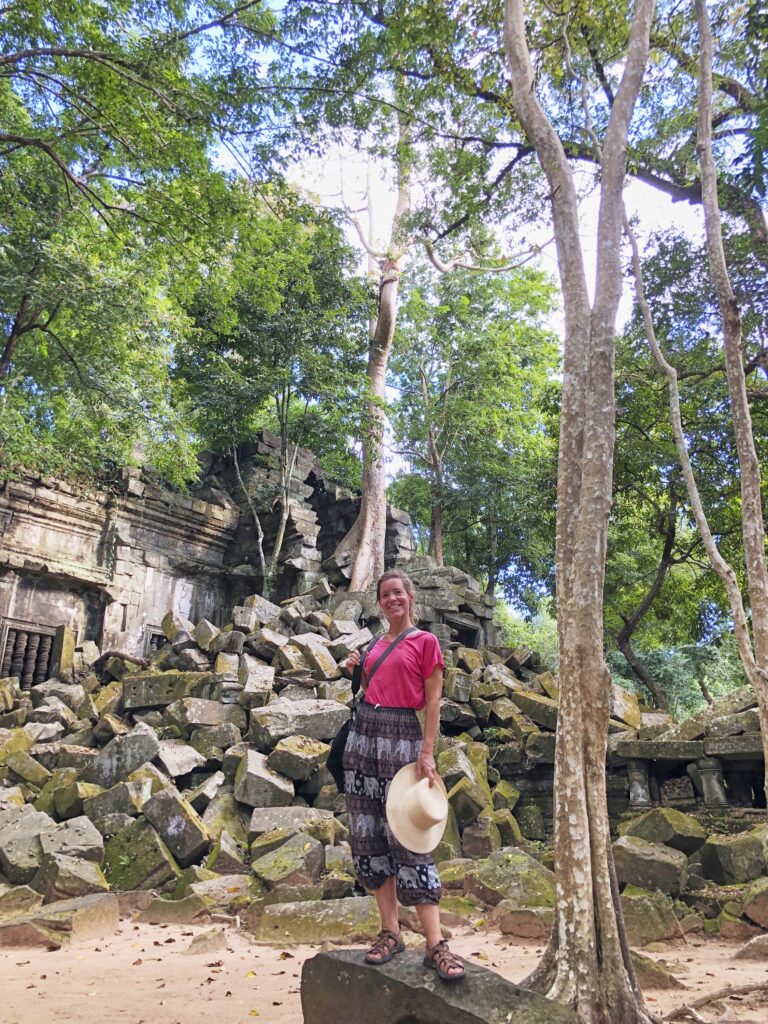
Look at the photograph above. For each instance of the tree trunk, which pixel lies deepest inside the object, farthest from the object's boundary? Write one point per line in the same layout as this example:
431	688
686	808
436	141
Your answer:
368	534
631	622
586	963
753	532
641	673
254	516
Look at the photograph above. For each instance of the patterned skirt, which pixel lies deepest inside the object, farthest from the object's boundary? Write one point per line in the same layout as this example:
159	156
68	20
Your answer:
380	742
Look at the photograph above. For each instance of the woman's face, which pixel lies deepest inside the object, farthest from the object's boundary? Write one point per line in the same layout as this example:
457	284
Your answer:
394	599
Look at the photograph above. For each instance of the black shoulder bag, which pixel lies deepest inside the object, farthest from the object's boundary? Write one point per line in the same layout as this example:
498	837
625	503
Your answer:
335	762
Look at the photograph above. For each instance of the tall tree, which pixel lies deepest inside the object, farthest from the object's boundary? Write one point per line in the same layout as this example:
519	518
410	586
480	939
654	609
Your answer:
276	325
586	963
475	370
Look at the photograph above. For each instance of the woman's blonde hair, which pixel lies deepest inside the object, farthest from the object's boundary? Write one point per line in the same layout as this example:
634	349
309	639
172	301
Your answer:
398	574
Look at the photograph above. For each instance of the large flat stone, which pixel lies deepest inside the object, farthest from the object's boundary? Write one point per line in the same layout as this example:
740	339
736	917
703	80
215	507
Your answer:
353	919
650	865
667	826
661	750
75	920
404	991
159	689
265	819
318	719
511	875
747	747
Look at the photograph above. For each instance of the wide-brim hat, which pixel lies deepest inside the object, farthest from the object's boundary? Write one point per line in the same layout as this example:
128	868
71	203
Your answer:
417	812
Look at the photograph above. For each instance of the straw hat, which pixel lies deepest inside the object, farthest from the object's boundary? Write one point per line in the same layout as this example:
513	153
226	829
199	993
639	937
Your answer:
417	812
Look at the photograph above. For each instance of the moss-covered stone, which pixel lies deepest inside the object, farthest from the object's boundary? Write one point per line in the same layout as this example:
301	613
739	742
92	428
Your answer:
467	799
60	778
347	920
650	865
449	846
730	860
756	902
514	875
667	826
298	861
531	821
505	795
648	916
509	830
137	858
481	838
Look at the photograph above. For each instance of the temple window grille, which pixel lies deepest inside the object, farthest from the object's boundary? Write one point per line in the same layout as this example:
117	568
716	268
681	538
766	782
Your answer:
25	651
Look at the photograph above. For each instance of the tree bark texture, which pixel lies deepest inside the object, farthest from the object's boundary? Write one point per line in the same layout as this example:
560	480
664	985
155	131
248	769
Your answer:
586	963
753	533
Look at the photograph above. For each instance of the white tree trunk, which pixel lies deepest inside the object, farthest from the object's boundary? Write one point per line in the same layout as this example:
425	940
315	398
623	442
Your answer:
753	533
587	962
367	535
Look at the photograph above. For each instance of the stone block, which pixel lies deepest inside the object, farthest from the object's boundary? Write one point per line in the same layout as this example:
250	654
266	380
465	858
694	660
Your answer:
264	610
524	922
667	826
648	916
62	877
177	629
297	757
661	750
205	633
77	837
158	689
481	838
734	725
540	748
650	865
457	685
257	680
177	758
346	920
20	849
509	830
318	719
223	815
123	755
265	819
226	856
625	707
453	764
137	858
511	875
192	712
266	643
467	799
178	824
124	798
26	768
732	860
180	912
378	995
348	641
505	795
73	920
541	710
531	821
747	747
297	861
258	786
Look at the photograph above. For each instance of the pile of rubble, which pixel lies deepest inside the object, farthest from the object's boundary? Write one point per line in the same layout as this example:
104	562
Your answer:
201	776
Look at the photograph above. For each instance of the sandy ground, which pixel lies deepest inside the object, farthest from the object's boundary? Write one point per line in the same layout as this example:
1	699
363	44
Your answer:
145	974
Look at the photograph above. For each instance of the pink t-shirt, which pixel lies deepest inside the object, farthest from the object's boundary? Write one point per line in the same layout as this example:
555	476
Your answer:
399	681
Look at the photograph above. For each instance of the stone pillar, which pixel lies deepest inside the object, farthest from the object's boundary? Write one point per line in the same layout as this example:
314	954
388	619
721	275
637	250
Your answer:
639	785
712	783
63	654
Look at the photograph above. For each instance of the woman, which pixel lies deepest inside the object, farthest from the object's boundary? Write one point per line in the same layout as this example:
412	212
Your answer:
385	736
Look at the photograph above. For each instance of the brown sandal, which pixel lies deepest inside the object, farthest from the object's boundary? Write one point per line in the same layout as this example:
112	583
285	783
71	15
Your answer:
442	960
387	944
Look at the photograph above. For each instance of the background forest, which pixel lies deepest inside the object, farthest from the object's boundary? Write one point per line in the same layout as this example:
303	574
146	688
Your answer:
174	276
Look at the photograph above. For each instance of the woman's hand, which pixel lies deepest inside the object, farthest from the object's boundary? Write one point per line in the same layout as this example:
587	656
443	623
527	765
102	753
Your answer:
425	766
352	661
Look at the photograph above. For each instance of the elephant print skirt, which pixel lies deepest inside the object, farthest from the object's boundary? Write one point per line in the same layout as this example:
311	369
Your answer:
380	742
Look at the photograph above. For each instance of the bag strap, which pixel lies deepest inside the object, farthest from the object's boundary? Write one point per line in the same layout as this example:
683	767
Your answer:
385	655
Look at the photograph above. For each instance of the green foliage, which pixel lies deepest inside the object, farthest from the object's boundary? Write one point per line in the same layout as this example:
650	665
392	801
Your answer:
538	633
476	373
681	671
278	330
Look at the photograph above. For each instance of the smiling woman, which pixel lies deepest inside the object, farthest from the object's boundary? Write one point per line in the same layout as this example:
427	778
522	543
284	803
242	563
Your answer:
384	738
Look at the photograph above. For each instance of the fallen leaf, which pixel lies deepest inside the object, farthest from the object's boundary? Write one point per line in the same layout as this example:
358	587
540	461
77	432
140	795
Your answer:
137	963
253	1013
285	955
169	940
215	963
250	974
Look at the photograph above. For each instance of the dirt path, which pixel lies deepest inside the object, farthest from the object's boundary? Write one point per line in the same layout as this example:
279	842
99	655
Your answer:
145	975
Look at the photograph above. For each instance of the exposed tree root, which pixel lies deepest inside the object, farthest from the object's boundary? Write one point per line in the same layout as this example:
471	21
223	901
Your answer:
689	1010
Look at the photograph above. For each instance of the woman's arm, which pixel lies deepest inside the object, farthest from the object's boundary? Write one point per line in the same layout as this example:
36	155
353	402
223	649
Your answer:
433	687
